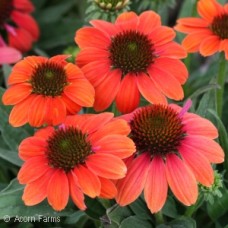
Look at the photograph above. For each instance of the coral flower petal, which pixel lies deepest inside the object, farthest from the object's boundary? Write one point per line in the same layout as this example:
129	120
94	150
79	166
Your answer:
181	180
208	9
106	165
149	90
132	185
71	107
118	145
44	133
128	96
110	86
209	148
200	126
32	146
75	192
105	27
36	191
174	67
97	39
96	71
108	189
192	41
156	186
91	54
199	165
37	111
117	126
88	181
209	46
148	21
16	93
56	111
58	190
81	92
166	82
127	20
18	116
32	169
61	59
162	35
73	72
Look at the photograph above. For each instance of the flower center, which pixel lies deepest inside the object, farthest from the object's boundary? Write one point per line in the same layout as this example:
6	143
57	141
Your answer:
6	7
49	79
219	26
157	129
111	4
131	51
67	148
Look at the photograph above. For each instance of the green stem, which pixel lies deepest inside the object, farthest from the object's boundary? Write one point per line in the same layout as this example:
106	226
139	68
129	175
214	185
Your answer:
191	209
114	109
159	218
221	82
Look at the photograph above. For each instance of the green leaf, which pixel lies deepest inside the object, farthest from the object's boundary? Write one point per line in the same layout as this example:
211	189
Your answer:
183	222
169	208
10	156
11	204
136	222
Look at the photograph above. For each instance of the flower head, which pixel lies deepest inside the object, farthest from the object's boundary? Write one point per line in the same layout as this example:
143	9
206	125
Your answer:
133	56
77	158
208	34
111	5
22	30
44	91
173	148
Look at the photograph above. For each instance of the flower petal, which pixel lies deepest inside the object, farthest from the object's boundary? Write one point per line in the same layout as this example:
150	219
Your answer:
209	46
108	189
104	26
9	55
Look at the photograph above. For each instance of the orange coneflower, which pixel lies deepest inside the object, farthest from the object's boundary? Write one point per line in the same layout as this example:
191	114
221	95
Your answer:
173	148
208	34
22	30
45	90
132	56
77	158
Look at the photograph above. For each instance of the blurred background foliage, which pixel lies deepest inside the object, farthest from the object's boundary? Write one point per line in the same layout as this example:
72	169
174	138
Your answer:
58	21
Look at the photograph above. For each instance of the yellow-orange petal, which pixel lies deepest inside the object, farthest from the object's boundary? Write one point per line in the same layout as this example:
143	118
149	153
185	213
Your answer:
106	165
75	192
200	126
199	165
108	189
181	180
208	147
19	114
56	111
156	186
37	111
117	145
91	37
81	92
36	191
209	46
16	93
149	90
32	169
128	96
169	85
32	146
148	21
130	187
109	86
58	190
116	126
174	67
88	181
193	40
162	35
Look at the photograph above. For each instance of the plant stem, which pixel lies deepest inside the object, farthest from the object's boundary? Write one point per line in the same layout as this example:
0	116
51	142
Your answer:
159	218
221	82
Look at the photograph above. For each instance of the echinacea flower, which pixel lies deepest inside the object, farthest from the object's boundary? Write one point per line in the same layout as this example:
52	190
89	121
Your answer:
22	30
208	34
8	55
173	148
79	157
44	91
133	56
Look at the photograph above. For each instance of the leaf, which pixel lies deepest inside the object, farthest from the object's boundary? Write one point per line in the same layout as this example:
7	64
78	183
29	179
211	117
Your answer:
10	156
6	71
183	222
169	208
136	222
12	205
